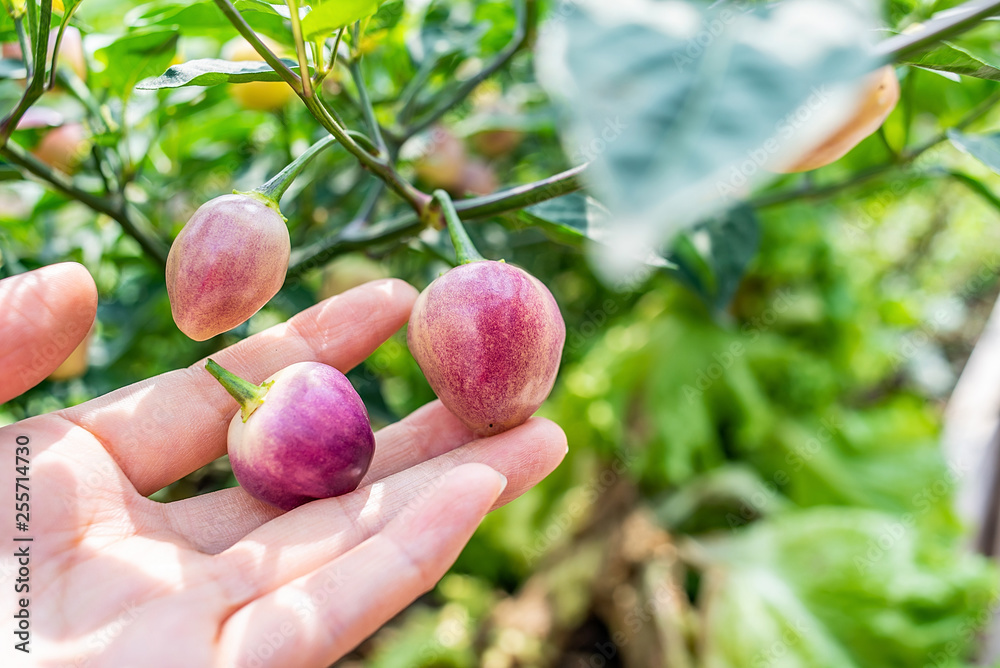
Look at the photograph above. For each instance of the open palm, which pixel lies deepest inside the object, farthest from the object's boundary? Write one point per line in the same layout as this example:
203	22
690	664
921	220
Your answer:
223	579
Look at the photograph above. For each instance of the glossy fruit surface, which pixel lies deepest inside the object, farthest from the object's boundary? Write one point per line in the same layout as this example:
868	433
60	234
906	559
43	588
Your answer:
226	263
489	337
877	101
309	439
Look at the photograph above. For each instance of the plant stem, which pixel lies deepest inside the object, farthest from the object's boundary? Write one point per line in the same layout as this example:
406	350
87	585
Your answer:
62	183
320	76
26	51
900	47
276	186
58	44
37	85
408	225
234	16
519	197
300	47
249	396
366	105
379	166
526	16
465	250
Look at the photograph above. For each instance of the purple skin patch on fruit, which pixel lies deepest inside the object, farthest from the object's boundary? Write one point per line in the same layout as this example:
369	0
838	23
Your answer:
489	337
310	439
226	263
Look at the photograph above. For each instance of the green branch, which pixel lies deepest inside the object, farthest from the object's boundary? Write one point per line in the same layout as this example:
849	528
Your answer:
380	166
37	85
958	20
353	237
234	16
527	16
366	105
65	185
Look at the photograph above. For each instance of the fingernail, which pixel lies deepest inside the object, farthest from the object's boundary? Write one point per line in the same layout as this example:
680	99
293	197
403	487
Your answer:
503	483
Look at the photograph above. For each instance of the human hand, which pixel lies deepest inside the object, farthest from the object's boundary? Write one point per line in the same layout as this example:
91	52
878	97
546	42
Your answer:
223	579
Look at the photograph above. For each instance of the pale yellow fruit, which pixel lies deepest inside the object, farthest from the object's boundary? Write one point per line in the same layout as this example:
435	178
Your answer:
349	271
256	95
75	365
876	103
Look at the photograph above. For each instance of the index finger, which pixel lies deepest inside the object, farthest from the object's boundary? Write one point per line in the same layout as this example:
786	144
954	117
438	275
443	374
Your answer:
161	429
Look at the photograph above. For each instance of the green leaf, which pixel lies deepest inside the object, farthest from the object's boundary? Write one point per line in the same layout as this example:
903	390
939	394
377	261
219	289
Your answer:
952	58
135	56
984	148
678	106
712	257
333	15
205	18
576	218
212	72
841	587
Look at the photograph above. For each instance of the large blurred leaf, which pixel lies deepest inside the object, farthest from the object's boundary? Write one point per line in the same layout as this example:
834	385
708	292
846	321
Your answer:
332	15
984	148
840	587
948	57
213	71
679	106
577	218
712	257
136	56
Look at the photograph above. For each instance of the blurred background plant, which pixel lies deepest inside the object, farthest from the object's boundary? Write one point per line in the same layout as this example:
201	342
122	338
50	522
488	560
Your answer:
754	476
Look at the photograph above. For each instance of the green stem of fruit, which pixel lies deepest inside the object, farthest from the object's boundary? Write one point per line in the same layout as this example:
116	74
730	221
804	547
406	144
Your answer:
465	250
275	187
249	396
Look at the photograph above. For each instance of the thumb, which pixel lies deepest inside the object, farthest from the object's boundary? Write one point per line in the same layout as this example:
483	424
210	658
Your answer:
44	315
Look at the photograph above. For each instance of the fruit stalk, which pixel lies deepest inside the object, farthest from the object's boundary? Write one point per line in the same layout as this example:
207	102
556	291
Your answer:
249	396
465	250
276	186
